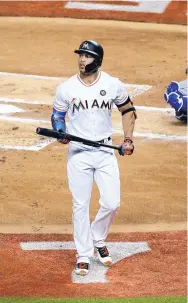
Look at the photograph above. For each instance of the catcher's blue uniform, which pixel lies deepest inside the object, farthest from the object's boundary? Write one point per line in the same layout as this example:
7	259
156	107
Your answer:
176	96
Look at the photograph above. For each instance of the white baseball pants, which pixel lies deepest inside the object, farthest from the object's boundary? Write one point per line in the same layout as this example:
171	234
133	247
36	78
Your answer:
85	165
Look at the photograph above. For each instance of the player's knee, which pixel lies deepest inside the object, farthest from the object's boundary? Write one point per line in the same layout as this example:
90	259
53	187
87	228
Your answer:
115	207
80	205
112	206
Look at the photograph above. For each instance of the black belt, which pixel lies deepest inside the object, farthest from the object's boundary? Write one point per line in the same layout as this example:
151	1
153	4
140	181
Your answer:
102	141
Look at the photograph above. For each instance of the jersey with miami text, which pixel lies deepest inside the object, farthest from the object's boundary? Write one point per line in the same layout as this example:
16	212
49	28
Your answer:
89	107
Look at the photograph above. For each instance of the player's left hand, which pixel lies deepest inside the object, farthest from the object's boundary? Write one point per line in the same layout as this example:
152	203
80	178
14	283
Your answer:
127	147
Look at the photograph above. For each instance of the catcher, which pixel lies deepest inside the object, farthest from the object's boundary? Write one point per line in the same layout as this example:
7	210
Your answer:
176	96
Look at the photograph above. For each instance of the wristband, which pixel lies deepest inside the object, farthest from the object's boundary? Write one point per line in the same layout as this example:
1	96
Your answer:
127	139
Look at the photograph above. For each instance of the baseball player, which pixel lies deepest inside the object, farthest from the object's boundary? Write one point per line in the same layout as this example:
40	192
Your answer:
176	96
88	99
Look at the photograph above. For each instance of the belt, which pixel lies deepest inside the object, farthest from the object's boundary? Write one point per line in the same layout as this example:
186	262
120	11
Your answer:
104	140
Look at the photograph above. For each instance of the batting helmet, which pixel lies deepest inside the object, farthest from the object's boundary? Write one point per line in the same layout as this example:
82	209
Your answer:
95	50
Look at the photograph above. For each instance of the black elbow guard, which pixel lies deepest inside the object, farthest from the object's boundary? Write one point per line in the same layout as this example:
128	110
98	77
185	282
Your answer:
131	109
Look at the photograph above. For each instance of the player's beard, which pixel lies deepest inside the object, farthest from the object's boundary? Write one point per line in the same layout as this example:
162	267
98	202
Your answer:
82	67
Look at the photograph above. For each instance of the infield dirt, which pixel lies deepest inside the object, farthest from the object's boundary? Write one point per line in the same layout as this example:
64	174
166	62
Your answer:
33	185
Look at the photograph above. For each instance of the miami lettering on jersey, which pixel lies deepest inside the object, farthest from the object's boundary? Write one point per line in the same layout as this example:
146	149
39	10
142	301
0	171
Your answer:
82	105
89	107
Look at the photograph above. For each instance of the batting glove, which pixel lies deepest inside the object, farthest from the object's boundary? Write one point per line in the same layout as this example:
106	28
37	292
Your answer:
127	147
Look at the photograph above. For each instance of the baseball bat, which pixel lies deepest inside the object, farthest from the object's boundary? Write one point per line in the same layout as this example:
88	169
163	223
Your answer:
59	135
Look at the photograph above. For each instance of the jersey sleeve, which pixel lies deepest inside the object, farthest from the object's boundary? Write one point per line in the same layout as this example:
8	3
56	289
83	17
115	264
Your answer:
122	96
61	103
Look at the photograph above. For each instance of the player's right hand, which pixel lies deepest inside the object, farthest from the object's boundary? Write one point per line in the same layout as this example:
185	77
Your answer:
63	141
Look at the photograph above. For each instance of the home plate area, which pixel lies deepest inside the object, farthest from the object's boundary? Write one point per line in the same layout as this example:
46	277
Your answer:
97	273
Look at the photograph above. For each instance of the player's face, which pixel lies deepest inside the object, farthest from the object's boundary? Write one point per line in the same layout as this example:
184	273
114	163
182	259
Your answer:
83	60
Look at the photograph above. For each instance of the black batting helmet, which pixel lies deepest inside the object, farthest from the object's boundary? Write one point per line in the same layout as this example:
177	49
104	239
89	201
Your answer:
95	50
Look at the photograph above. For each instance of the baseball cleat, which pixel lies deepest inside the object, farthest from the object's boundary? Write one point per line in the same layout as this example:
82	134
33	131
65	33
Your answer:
104	256
81	268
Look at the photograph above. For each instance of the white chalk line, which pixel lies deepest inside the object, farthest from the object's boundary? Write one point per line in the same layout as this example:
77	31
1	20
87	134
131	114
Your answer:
45	143
24	101
9	109
38	102
31	76
152	136
157	7
53	78
139	89
22	120
154	109
41	145
34	147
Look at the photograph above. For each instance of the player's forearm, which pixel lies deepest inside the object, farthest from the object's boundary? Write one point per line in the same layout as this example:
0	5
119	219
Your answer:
128	124
58	120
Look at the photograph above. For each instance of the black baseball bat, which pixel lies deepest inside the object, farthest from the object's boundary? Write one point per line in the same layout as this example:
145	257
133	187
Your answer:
59	135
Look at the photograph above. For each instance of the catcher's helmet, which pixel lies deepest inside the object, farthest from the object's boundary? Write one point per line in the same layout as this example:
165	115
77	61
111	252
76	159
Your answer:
95	50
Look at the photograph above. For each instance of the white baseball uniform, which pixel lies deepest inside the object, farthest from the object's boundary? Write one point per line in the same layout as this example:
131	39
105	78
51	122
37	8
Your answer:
89	110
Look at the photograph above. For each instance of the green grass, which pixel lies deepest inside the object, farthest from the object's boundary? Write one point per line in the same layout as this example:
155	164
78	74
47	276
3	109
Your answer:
97	300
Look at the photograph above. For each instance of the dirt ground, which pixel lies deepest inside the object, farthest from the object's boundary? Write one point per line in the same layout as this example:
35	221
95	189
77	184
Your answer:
160	271
34	193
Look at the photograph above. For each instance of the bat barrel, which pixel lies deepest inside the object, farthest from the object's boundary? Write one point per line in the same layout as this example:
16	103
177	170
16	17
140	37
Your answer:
48	133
